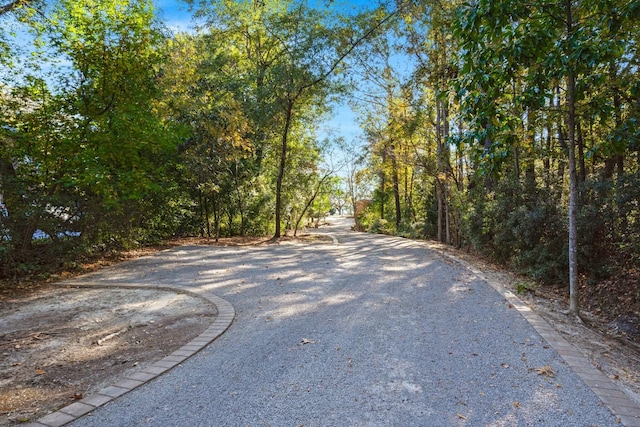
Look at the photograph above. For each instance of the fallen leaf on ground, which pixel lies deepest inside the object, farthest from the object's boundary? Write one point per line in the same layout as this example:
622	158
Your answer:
547	371
40	371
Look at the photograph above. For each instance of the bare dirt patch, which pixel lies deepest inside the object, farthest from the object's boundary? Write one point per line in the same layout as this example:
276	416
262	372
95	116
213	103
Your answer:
62	344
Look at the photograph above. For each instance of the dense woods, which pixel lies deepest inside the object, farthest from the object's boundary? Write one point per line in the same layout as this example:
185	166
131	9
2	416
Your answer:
507	128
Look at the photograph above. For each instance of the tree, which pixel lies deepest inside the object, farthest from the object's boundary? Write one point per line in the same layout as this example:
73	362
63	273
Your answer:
541	51
88	152
293	51
357	180
384	114
321	184
435	72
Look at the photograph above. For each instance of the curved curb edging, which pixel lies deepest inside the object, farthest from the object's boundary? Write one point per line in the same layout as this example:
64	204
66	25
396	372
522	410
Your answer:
224	319
621	406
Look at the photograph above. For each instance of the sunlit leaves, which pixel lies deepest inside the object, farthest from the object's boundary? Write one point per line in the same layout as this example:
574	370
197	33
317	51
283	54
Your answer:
86	119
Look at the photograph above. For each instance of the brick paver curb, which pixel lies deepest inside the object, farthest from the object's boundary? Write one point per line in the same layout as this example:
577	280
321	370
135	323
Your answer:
625	409
226	314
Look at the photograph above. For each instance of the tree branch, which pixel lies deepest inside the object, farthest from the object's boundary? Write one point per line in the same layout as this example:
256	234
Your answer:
13	6
351	48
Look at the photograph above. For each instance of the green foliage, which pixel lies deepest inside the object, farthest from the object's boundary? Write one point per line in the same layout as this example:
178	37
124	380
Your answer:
609	225
525	287
84	149
531	79
381	226
523	230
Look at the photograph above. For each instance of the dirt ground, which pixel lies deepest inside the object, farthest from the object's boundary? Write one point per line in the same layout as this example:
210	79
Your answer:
62	344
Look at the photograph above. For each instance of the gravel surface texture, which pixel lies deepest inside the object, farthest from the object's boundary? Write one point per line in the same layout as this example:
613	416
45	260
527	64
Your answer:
373	331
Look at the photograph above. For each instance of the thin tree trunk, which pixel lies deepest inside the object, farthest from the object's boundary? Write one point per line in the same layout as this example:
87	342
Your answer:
240	201
383	184
446	168
439	183
617	108
396	186
216	217
573	178
563	145
405	174
411	208
546	161
582	168
446	215
206	215
516	162
283	164
440	208
201	209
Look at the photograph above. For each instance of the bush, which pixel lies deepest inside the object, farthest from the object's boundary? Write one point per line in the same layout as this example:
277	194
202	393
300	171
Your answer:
381	226
518	226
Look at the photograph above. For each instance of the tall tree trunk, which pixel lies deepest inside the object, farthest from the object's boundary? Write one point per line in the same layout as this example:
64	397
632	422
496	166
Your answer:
396	185
573	178
516	163
216	216
383	183
405	173
206	217
582	168
243	220
201	209
563	145
530	156
282	166
447	217
446	168
410	207
440	194
617	112
546	160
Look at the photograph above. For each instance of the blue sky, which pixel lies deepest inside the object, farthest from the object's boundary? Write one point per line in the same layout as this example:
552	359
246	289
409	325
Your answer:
175	14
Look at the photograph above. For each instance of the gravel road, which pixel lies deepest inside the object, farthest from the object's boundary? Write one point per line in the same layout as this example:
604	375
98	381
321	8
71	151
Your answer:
373	331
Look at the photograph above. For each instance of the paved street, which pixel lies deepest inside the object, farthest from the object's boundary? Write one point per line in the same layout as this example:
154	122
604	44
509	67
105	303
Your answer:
368	331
